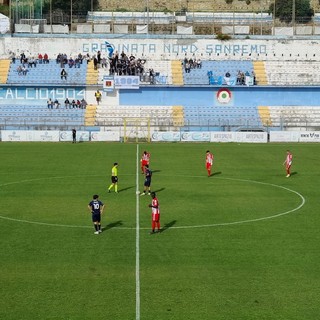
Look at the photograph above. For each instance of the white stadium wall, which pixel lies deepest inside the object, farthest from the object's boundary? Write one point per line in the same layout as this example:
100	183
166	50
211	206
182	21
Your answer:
158	49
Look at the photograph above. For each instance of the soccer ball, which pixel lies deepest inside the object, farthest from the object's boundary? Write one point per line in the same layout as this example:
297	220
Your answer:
137	192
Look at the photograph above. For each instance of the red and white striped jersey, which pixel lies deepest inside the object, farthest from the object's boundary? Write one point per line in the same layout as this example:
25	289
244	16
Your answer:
145	157
289	159
209	158
155	206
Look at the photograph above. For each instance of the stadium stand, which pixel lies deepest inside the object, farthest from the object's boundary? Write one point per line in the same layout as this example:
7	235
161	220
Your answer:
294	116
116	115
39	117
214	72
199	117
293	72
202	117
46	73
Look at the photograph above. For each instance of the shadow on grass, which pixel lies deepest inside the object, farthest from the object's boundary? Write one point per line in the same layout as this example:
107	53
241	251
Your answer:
155	171
215	173
125	189
294	173
112	225
158	190
168	225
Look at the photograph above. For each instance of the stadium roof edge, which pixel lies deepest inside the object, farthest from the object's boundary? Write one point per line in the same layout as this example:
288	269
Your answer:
155	36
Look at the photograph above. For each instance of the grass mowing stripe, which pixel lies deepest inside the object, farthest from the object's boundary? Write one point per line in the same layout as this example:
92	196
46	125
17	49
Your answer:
137	238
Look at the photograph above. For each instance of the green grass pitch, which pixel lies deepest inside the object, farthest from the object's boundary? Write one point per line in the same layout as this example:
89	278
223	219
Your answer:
240	245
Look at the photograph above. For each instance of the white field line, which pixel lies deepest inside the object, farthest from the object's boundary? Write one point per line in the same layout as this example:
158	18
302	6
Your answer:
178	227
137	238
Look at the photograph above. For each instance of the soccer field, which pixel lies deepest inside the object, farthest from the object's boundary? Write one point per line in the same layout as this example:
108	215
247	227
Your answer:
242	244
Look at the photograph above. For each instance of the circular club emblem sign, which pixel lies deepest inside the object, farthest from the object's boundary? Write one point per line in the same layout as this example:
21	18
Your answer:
224	95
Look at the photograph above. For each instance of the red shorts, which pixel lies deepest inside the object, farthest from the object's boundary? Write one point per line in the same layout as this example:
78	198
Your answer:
208	165
156	217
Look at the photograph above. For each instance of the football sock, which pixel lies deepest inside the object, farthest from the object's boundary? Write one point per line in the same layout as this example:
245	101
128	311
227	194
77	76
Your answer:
99	226
110	186
158	225
116	188
153	225
96	227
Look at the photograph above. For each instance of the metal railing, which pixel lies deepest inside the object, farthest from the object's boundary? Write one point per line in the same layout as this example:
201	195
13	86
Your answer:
160	124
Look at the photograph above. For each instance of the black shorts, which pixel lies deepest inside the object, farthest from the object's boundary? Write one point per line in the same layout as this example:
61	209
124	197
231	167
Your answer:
96	217
147	182
114	179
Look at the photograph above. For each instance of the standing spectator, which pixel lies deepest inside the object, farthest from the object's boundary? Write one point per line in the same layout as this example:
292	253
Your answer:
63	74
209	162
95	63
239	77
187	67
67	103
147	180
22	57
13	57
83	103
288	162
73	104
70	62
77	63
74	135
50	104
96	208
145	160
104	63
114	178
199	64
155	211
253	75
78	104
98	96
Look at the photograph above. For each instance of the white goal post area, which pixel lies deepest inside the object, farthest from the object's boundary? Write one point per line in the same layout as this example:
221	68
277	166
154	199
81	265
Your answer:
136	129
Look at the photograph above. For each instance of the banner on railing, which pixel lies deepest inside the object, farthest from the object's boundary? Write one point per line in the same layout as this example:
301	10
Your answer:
105	136
252	137
309	136
29	135
222	137
284	136
81	136
294	136
165	136
126	82
195	136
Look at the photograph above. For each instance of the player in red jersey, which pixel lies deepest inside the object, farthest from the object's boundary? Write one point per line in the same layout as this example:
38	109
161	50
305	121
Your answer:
288	162
155	210
209	162
145	160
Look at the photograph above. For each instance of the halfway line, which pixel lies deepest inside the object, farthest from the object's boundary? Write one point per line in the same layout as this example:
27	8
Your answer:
137	238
